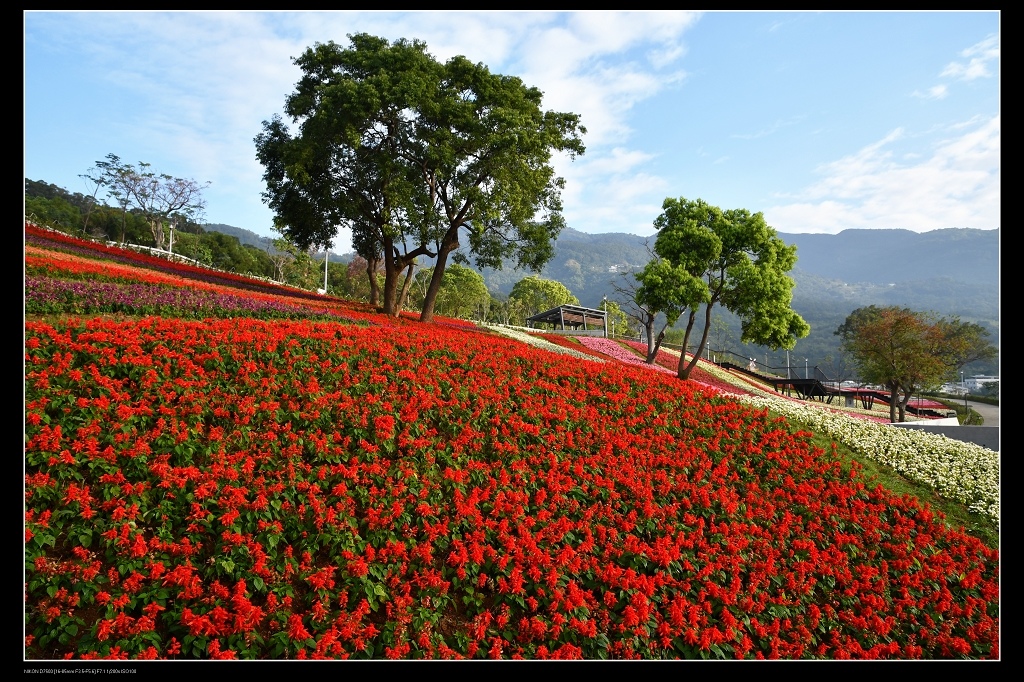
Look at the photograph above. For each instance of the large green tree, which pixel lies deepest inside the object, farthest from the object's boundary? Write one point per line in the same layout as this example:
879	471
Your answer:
708	257
484	150
348	163
408	152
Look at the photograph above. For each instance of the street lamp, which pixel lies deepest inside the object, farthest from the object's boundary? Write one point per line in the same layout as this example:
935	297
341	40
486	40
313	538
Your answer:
326	258
806	376
963	387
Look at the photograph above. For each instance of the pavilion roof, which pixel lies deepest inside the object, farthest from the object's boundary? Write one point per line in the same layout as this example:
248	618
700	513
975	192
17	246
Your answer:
572	315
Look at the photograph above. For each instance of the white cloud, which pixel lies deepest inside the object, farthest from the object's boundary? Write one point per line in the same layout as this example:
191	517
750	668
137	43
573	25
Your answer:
934	92
569	62
200	83
611	193
956	185
979	55
618	161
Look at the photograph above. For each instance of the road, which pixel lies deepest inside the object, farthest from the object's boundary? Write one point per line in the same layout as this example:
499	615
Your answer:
990	413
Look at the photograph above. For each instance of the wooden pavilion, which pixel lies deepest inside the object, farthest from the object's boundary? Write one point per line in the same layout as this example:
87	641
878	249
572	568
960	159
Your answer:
574	319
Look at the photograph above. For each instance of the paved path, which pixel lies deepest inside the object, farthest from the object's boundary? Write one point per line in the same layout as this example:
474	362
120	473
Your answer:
990	413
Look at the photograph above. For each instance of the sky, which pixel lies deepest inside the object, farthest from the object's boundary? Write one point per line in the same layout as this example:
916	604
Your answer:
821	121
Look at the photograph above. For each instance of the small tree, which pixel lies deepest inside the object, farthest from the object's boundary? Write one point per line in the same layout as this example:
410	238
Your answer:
507	310
839	366
298	268
645	314
893	348
161	198
95	180
709	257
117	178
906	350
538	294
665	289
721	336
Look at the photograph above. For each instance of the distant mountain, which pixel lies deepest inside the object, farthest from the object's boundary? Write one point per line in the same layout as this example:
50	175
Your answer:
585	263
244	236
248	237
943	269
949	272
884	256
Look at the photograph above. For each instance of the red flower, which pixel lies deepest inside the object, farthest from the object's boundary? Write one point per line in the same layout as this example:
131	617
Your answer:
296	630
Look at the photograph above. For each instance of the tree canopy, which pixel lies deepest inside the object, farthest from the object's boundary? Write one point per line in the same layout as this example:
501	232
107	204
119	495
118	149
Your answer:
538	294
706	257
408	152
906	350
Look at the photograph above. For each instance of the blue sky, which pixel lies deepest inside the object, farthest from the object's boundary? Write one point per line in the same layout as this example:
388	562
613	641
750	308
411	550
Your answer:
822	121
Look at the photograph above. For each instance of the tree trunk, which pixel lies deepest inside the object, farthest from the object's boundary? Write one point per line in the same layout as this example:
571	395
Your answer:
448	244
392	270
406	286
653	348
427	314
686	367
88	211
903	402
652	343
894	399
394	264
156	226
371	273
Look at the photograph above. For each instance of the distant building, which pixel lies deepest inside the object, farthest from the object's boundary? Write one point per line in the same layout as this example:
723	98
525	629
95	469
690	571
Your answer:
979	382
970	385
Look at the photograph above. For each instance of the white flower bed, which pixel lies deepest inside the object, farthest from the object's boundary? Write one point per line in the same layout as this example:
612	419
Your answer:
960	471
541	343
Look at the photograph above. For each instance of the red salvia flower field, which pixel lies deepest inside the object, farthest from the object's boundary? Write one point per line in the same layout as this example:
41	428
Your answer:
242	488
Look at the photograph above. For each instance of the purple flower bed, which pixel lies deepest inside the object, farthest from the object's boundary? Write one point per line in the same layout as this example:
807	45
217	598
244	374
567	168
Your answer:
37	237
49	295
